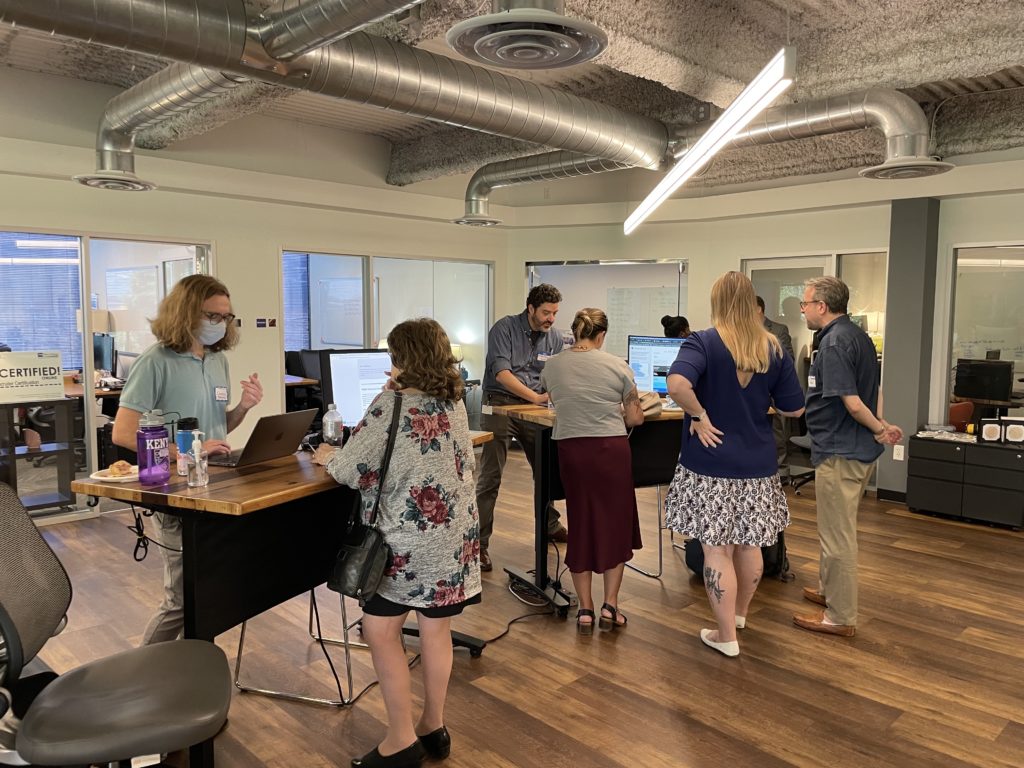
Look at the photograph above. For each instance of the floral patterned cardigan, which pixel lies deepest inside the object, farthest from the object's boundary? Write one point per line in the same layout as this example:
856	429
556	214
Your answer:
428	508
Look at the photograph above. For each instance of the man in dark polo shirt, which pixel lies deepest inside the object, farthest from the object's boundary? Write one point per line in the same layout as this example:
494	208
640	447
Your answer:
517	348
847	437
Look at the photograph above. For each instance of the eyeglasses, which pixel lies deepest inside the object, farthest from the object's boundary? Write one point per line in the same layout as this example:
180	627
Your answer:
803	304
216	317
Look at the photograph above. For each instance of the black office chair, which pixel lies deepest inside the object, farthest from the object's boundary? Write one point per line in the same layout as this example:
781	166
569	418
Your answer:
43	420
799	479
156	699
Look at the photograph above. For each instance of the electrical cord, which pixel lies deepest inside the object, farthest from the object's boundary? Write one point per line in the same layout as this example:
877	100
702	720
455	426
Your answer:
142	541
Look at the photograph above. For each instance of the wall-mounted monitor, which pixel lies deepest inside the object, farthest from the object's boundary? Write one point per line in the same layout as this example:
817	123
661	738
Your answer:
650	357
352	378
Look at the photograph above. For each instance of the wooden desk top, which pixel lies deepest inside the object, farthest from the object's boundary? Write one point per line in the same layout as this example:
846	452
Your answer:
539	414
299	381
237	491
71	389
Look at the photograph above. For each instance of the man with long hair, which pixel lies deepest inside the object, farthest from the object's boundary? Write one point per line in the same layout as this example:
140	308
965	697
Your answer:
847	437
185	373
517	348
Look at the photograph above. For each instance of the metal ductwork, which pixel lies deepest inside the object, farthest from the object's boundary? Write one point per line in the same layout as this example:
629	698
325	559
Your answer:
897	115
181	87
360	68
527	34
550	166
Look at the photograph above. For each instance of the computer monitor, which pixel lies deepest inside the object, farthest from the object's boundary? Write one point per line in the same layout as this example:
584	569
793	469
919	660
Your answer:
103	355
984	379
650	357
125	361
352	378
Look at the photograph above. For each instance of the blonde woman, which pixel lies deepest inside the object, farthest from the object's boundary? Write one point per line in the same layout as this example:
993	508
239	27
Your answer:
595	398
726	492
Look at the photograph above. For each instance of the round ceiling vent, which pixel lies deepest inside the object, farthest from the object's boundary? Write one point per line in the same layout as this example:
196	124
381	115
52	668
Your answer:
477	220
911	168
527	38
118	181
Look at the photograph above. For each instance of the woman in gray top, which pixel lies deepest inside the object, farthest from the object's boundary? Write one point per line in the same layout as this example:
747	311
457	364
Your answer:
595	399
428	517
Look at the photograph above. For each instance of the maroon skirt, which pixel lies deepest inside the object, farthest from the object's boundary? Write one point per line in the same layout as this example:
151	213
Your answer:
598	480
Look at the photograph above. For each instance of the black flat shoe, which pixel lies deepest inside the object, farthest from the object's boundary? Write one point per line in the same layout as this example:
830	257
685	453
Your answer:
437	743
410	757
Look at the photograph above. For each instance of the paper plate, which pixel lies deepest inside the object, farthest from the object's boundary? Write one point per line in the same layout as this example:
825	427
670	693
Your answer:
104	476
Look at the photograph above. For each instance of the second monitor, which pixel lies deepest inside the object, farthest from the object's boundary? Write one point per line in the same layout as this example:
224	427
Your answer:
352	378
650	357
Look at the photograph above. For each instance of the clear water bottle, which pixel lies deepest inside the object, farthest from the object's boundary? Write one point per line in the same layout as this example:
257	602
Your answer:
154	454
333	427
183	438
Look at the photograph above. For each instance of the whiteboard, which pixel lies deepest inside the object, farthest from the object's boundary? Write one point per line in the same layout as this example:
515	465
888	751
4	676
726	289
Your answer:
634	296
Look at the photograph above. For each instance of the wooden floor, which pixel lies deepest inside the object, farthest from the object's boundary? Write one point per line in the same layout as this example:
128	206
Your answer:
935	676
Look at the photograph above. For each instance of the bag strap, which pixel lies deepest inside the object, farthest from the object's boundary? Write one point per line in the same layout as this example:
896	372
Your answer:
387	456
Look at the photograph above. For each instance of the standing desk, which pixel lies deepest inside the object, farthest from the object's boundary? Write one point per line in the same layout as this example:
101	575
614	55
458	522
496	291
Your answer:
253	538
655	448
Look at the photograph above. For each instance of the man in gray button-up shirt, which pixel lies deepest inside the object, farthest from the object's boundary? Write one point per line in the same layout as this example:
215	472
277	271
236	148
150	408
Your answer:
517	348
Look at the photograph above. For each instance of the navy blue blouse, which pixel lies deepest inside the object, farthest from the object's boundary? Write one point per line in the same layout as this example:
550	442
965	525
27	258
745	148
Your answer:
748	445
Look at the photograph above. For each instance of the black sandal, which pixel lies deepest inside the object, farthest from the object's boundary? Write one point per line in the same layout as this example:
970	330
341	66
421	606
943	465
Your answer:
584	628
612	622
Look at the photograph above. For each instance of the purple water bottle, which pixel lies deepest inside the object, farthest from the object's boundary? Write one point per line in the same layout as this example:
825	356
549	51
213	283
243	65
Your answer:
154	456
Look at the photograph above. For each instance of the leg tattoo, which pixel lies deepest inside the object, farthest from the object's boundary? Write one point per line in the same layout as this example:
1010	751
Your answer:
712	582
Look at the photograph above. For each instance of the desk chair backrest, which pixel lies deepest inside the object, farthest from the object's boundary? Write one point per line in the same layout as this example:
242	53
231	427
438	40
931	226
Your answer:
310	363
35	591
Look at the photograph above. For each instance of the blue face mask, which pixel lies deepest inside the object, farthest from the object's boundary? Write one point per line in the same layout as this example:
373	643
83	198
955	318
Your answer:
210	333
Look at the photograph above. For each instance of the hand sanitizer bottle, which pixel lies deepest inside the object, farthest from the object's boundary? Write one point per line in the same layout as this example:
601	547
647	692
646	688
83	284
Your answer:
198	471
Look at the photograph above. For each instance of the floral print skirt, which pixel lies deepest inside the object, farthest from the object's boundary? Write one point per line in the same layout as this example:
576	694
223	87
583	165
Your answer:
726	510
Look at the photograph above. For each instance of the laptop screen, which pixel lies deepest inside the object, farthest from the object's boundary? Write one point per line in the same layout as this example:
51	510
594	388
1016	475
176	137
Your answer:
650	357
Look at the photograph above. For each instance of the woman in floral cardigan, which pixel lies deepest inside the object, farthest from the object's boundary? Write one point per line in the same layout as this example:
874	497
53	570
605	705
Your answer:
428	516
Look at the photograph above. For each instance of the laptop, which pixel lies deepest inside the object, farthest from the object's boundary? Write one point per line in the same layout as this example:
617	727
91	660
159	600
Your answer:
274	437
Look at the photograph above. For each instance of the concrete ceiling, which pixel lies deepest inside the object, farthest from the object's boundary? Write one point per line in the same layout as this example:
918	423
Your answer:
674	60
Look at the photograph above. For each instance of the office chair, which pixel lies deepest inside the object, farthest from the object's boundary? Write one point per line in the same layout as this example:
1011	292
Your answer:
43	420
799	479
156	699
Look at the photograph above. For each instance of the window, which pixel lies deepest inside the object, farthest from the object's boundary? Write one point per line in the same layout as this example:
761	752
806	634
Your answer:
42	294
295	273
865	274
988	318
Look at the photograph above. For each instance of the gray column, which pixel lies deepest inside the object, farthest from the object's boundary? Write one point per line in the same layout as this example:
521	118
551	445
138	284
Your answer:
909	315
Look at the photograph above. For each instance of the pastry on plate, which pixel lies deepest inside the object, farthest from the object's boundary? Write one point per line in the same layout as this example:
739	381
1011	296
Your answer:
120	469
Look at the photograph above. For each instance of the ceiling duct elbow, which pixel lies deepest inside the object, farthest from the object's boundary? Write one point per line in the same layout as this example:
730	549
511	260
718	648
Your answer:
897	115
549	166
525	34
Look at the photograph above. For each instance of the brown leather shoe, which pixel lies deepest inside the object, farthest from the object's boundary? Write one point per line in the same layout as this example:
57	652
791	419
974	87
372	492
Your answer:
485	561
816	623
560	534
814	596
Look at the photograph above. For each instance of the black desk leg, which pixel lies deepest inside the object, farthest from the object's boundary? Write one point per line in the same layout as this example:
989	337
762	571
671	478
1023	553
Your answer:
543	478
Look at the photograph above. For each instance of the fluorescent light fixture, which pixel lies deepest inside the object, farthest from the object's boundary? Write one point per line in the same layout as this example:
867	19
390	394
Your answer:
47	244
762	91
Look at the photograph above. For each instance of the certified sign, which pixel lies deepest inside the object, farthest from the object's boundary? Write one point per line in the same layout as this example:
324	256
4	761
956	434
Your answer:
29	376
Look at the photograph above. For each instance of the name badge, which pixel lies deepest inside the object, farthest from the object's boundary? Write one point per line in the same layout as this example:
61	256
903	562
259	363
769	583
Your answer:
543	358
220	394
811	382
486	410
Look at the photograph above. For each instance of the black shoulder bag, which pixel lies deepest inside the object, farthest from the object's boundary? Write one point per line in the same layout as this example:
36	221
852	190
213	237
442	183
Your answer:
364	555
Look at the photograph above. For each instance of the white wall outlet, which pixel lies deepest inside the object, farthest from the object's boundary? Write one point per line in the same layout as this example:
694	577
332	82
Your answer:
897	452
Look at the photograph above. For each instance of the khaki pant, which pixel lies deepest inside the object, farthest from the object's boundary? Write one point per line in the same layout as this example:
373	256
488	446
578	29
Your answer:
838	486
492	464
169	621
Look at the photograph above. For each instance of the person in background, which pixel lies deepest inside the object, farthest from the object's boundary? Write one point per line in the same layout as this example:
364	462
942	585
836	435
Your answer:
781	426
677	327
726	491
518	346
595	398
185	373
847	437
428	517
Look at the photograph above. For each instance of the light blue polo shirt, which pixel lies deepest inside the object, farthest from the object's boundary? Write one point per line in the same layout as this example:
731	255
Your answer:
180	384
